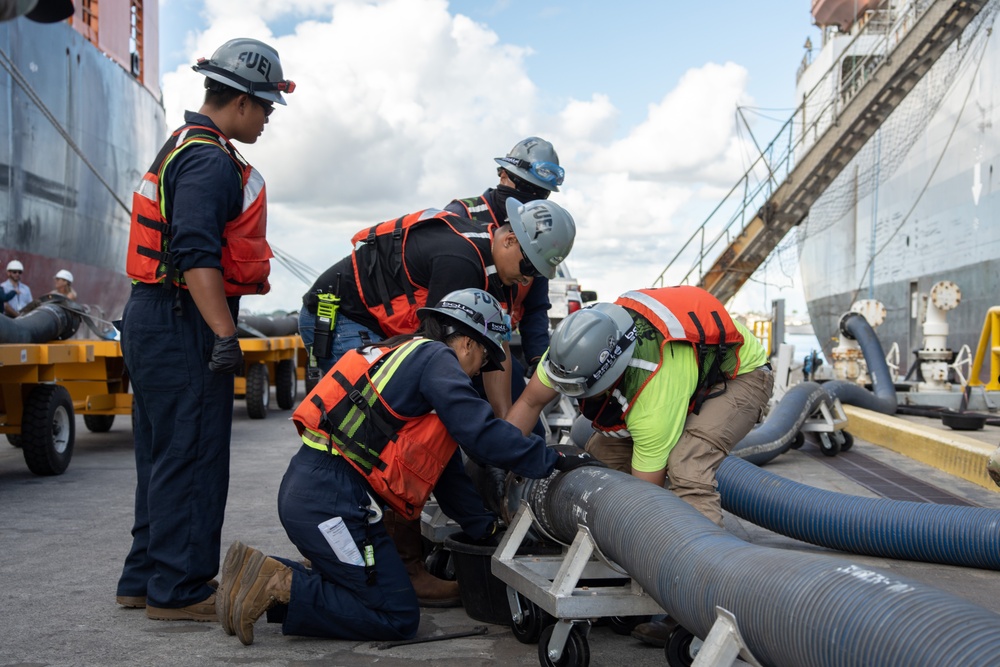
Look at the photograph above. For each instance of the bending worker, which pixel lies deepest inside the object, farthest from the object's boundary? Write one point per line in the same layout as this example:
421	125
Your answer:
401	265
380	429
196	245
669	380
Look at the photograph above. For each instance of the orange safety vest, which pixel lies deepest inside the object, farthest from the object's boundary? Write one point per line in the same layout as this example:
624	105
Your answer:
245	252
478	209
386	288
401	457
677	313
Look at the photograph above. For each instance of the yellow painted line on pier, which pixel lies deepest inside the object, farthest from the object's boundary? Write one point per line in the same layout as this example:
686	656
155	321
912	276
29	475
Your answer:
955	454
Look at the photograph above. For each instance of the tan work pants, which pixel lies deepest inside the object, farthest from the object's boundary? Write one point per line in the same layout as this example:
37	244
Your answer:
707	438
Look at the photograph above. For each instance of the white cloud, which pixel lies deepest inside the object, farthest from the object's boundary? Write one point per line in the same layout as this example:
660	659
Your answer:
401	105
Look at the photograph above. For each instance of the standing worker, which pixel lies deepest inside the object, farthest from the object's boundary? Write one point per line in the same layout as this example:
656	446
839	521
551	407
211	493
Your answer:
671	383
197	243
384	412
64	284
529	171
402	265
22	293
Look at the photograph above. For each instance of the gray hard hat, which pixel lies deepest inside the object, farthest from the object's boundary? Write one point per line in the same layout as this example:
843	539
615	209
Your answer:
590	349
545	231
481	315
248	65
534	160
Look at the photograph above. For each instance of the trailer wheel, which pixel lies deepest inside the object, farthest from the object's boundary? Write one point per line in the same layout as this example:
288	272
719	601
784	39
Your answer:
576	653
678	648
798	440
286	385
14	439
98	423
258	394
48	430
624	625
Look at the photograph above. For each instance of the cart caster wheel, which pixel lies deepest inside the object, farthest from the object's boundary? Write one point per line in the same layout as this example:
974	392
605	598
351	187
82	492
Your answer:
98	423
828	445
533	622
846	441
798	440
286	384
624	625
258	391
14	439
678	648
576	653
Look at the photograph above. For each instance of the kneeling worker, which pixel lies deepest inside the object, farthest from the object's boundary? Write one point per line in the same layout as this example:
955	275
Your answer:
380	429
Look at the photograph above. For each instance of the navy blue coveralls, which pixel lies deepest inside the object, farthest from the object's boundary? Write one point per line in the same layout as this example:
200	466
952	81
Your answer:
338	600
183	412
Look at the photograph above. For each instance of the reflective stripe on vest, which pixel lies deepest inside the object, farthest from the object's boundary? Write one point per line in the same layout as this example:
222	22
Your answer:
401	457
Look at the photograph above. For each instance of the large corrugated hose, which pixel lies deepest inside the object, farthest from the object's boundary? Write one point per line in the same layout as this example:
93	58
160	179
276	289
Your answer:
882	397
948	534
51	318
782	425
793	609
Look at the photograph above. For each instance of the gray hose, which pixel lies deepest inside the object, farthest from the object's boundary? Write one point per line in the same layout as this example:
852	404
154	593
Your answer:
782	425
46	321
263	326
793	609
882	397
949	534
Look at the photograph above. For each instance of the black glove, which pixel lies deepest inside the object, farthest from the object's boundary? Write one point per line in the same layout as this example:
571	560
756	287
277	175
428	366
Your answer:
492	536
532	366
567	462
227	357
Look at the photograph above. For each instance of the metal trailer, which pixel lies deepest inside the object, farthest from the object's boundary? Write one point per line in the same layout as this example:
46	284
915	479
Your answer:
42	387
269	362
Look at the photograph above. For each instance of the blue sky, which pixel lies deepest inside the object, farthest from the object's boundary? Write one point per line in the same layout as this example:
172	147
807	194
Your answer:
403	103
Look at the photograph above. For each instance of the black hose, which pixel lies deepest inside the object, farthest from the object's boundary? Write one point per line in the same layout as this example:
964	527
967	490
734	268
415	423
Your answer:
793	609
782	425
46	321
948	534
882	397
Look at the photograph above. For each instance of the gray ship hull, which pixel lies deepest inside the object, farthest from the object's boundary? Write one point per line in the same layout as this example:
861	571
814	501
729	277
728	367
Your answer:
54	212
920	203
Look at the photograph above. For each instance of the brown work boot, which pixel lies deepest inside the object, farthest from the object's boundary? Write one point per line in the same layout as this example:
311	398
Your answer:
232	567
139	601
431	591
203	612
264	582
131	601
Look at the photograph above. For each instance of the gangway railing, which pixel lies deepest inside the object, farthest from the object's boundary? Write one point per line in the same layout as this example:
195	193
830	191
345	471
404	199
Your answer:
888	56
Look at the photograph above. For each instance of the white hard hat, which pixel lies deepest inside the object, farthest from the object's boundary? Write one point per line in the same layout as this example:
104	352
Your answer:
14	265
65	275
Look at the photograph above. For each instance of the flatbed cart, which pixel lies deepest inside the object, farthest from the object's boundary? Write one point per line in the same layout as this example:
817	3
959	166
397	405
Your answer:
269	361
549	605
42	386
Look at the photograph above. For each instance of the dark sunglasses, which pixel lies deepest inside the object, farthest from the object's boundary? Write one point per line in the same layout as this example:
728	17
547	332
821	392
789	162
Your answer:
268	107
526	268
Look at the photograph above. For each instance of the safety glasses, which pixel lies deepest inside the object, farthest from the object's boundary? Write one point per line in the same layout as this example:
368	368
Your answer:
268	107
547	172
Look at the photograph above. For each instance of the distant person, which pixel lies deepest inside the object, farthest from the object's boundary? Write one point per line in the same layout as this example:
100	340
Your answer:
196	244
64	284
417	406
22	293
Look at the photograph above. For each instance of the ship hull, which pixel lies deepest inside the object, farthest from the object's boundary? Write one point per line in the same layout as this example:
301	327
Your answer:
55	213
918	204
